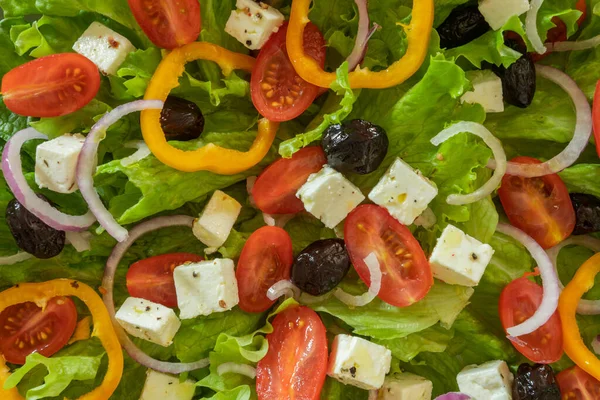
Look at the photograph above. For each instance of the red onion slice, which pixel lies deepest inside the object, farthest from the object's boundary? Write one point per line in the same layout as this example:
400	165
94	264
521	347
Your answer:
142	152
283	288
596	345
15	258
108	285
86	163
375	276
235	368
574	46
531	26
454	396
13	173
363	35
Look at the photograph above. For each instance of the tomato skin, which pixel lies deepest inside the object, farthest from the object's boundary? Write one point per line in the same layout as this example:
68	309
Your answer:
266	258
295	366
407	276
576	384
152	278
51	86
541	207
596	117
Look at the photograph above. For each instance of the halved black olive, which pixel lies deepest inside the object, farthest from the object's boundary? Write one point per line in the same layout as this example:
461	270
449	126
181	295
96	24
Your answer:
587	213
463	25
535	382
518	80
181	119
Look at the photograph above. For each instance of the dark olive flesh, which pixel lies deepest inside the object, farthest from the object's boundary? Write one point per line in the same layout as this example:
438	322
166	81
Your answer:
535	382
587	213
518	80
463	25
181	119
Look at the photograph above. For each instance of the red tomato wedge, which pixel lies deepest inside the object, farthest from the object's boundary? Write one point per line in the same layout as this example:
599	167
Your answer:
596	117
168	23
540	207
266	258
296	362
407	275
275	189
152	278
576	384
278	92
25	328
51	86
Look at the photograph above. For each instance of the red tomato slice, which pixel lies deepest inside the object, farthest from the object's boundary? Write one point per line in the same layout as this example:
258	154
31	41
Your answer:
519	301
596	117
25	328
407	275
278	92
296	363
152	278
51	86
275	189
168	23
576	384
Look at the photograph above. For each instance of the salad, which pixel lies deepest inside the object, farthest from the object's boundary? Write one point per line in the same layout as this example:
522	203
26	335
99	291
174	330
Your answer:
296	199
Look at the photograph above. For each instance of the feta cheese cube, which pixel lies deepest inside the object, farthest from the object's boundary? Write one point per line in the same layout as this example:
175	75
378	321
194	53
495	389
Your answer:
56	162
253	23
459	259
487	91
104	47
161	386
404	192
147	320
329	196
358	362
489	381
406	387
217	219
205	287
498	12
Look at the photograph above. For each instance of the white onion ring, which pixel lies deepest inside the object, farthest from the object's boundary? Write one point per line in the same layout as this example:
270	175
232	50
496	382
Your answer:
277	220
375	276
142	152
363	35
531	26
499	155
15	258
283	288
79	240
574	46
549	277
235	368
108	285
427	219
86	163
13	173
309	299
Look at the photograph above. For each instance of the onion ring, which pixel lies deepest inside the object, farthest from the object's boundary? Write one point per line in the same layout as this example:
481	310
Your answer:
15	258
79	240
235	368
375	276
531	26
283	288
142	152
454	396
363	35
574	46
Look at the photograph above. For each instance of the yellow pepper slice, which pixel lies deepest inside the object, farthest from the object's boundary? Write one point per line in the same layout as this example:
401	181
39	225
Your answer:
210	157
418	33
41	293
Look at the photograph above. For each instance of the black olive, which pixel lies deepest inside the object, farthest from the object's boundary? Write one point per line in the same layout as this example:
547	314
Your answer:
181	119
31	234
535	383
587	213
518	80
355	146
464	24
321	266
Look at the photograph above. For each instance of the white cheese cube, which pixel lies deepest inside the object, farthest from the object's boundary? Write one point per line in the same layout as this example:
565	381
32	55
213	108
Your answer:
147	320
459	259
56	162
161	386
104	47
217	219
489	381
205	287
487	91
498	12
329	196
406	387
404	192
253	23
358	362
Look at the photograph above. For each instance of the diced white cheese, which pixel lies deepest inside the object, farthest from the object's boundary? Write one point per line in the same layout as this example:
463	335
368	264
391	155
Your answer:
218	217
489	381
498	12
459	259
104	47
161	386
56	163
147	320
404	192
205	287
329	196
487	91
406	386
358	362
253	23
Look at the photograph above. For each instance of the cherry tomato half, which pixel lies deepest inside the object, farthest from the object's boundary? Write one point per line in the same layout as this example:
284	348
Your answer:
576	384
25	328
540	207
152	278
407	275
168	23
51	86
596	117
278	92
296	362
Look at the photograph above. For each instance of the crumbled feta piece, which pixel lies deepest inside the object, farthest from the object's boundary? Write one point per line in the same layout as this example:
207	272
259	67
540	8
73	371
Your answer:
104	47
358	362
147	320
205	287
161	386
56	163
406	386
498	12
404	192
217	219
253	23
459	259
487	91
489	381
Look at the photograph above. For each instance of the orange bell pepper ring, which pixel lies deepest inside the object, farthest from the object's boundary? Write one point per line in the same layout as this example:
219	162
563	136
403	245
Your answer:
210	157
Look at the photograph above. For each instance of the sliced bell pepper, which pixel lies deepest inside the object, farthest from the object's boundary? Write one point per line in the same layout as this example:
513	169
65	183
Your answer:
418	33
210	157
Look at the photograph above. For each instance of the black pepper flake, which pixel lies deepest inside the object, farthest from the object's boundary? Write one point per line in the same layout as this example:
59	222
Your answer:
259	15
353	372
474	256
148	308
170	383
249	42
46	163
195	274
158	318
75	285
